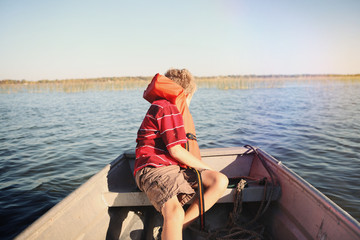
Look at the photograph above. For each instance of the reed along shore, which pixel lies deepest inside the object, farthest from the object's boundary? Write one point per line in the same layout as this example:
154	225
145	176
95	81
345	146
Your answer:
124	83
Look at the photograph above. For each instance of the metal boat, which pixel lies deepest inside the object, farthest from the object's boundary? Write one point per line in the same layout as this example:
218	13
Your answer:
273	203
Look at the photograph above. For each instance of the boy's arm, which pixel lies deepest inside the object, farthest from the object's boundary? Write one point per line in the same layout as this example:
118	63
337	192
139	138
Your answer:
185	157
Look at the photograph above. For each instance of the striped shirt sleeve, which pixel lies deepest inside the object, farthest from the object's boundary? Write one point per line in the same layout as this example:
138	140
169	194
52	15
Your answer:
171	126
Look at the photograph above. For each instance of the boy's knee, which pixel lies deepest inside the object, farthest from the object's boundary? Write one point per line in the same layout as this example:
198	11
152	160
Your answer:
222	180
172	210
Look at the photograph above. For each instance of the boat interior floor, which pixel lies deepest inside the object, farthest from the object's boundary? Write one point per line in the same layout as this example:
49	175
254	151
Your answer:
145	222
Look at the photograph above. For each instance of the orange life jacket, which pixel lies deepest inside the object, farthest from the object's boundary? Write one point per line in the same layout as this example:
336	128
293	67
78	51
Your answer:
162	87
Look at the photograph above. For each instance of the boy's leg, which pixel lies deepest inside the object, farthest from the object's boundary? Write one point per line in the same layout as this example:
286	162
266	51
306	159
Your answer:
215	184
165	184
173	214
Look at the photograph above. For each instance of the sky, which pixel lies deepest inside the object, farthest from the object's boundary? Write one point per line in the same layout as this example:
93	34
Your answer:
42	39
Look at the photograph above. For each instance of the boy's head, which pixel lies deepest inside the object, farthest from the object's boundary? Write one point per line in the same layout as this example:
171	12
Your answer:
184	78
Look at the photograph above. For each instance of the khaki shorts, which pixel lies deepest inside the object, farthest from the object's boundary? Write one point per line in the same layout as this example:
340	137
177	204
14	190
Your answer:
162	183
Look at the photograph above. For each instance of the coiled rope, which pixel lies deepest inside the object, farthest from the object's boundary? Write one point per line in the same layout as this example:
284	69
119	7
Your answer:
235	228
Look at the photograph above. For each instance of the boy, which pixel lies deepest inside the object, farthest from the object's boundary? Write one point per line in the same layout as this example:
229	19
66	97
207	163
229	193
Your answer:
166	147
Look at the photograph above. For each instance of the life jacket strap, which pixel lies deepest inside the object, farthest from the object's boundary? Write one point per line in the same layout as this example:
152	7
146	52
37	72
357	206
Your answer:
191	136
200	192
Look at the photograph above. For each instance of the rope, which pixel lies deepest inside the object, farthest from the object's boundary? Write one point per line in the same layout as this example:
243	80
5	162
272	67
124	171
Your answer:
270	174
236	229
238	197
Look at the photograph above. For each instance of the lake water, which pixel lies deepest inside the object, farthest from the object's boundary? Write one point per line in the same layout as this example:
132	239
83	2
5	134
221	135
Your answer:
51	143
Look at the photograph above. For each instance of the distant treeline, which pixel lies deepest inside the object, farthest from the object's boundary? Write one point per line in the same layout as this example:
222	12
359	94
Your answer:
103	79
148	78
281	76
123	83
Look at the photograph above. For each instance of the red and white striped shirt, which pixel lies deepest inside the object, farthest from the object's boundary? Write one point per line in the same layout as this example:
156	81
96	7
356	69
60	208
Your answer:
161	129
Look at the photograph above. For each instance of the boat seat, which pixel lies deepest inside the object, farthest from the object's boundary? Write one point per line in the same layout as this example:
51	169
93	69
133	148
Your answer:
252	193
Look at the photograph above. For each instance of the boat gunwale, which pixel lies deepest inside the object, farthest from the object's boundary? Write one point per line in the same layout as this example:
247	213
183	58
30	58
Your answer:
336	211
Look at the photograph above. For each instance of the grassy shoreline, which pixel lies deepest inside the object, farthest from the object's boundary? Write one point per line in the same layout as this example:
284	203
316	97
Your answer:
123	83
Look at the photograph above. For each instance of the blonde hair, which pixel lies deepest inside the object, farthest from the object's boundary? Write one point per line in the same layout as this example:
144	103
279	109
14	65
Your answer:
184	78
